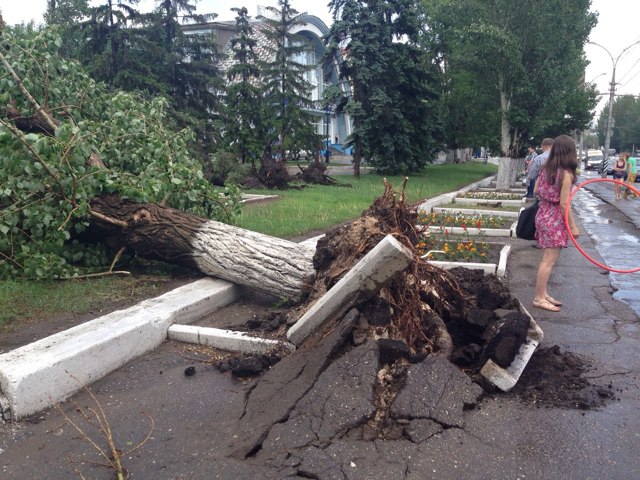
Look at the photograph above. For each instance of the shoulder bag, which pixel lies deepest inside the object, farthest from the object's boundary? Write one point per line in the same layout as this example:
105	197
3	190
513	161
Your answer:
526	226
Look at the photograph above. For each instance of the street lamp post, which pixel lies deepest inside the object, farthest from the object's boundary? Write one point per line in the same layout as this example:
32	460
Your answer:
327	110
612	92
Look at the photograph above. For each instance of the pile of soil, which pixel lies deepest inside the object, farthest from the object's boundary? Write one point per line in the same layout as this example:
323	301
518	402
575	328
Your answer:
554	378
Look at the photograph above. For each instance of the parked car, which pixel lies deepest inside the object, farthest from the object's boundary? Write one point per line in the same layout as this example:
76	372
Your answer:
593	159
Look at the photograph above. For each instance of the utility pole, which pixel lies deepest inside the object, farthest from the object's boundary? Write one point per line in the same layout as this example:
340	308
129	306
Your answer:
612	93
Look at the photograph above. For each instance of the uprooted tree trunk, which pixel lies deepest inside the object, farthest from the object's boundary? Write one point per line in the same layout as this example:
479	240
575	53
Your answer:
269	264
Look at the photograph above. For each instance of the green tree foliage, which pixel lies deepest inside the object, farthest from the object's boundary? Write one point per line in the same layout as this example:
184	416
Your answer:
67	15
59	127
148	53
189	68
625	132
283	78
244	111
107	40
395	86
522	60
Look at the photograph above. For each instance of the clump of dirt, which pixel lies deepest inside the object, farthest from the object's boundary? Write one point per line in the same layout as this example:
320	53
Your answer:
554	378
250	365
315	173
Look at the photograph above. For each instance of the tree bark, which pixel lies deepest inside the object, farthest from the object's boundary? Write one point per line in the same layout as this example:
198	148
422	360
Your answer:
268	264
506	173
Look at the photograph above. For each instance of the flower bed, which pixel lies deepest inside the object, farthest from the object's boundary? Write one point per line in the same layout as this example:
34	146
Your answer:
489	209
454	248
461	251
458	223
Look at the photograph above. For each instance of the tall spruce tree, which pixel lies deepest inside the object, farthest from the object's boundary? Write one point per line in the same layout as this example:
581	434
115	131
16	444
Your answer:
67	15
244	115
394	101
106	38
189	68
286	89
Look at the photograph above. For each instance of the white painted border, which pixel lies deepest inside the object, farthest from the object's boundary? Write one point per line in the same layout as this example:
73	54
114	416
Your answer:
506	378
482	201
37	375
487	232
475	211
228	340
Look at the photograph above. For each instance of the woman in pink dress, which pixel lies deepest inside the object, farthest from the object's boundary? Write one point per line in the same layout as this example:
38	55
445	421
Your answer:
553	188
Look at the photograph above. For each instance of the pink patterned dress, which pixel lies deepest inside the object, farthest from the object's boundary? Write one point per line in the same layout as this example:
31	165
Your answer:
551	231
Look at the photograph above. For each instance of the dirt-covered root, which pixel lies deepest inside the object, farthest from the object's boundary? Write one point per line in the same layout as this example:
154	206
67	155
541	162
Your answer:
273	173
422	298
315	173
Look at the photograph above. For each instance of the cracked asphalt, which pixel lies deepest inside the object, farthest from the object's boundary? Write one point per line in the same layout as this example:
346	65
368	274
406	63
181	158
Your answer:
305	417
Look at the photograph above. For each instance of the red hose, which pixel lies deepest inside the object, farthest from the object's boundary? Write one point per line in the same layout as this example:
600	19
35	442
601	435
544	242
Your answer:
566	222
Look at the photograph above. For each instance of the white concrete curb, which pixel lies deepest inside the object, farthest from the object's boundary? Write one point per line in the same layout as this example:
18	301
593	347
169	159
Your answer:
225	339
473	231
488	201
476	211
36	376
369	274
506	378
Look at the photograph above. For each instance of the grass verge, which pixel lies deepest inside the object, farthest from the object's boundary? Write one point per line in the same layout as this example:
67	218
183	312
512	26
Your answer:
33	300
319	207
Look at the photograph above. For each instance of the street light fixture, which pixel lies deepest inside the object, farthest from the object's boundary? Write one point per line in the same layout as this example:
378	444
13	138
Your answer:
612	91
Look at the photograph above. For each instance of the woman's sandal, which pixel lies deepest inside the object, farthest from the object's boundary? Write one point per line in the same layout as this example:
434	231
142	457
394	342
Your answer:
553	301
545	305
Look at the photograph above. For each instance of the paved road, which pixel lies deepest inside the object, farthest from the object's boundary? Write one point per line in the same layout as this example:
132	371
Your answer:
196	418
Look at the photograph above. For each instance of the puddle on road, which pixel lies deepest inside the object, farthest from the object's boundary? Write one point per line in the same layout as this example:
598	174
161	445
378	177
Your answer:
616	239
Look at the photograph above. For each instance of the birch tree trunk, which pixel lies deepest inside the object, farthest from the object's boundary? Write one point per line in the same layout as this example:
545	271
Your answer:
268	264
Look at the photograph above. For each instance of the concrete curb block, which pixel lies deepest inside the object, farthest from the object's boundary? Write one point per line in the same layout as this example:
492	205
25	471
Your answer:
225	339
476	211
36	376
506	378
501	270
483	201
369	274
474	232
311	242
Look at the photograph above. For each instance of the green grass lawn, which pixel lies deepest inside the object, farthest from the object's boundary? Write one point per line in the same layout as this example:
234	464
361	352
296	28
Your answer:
319	207
40	299
295	213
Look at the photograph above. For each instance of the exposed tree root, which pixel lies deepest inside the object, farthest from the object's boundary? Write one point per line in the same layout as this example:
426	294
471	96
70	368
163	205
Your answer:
422	298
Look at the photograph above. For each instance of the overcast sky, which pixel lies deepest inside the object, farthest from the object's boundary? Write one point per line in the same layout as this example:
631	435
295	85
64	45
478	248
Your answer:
618	27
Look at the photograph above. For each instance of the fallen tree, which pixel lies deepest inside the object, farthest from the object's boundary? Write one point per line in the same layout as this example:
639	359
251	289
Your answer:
67	142
269	264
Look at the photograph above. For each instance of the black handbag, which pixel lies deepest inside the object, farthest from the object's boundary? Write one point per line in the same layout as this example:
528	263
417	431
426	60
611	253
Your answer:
526	226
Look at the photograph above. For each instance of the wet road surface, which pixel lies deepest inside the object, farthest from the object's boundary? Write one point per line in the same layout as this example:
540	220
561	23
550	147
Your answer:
616	237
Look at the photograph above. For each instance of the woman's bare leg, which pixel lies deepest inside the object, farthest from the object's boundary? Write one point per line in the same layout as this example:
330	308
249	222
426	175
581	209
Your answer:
549	257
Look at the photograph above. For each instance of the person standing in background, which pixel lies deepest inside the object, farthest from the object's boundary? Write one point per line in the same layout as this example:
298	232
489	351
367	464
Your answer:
619	170
553	187
531	152
632	173
536	165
